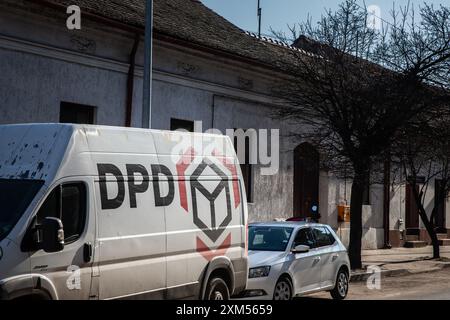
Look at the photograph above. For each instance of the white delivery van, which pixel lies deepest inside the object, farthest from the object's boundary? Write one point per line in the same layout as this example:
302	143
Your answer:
94	212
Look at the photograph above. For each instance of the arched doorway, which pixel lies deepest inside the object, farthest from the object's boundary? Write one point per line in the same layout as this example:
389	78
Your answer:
306	179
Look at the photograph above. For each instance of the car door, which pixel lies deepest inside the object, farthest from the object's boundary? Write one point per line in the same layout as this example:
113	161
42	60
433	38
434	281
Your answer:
325	243
70	270
306	266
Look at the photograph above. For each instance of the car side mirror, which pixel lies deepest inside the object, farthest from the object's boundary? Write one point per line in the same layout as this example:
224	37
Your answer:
52	235
300	249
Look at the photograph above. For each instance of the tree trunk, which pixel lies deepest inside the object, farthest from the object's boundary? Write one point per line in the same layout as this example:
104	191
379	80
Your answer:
356	203
428	224
431	232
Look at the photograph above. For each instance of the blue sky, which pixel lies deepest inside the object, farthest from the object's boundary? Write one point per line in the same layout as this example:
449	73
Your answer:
278	13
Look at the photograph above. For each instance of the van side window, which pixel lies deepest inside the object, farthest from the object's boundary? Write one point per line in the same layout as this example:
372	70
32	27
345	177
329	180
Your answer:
323	237
68	203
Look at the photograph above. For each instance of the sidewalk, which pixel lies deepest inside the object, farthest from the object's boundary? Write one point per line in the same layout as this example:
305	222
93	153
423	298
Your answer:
402	261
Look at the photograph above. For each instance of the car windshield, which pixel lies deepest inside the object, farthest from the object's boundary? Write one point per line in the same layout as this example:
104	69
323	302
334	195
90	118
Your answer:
268	238
15	197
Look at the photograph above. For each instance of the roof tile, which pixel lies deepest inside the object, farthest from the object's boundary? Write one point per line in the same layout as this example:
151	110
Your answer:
191	21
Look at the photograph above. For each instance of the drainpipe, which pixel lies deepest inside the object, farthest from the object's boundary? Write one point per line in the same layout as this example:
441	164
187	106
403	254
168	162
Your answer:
213	111
130	81
148	67
111	23
387	200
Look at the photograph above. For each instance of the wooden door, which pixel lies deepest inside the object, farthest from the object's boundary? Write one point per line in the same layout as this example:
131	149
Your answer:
411	212
306	180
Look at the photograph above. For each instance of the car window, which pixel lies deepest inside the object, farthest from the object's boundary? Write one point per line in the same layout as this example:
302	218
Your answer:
68	203
323	237
264	238
304	237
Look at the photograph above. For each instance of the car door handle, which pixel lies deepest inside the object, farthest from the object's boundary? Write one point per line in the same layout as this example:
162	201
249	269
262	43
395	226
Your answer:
316	259
87	252
334	257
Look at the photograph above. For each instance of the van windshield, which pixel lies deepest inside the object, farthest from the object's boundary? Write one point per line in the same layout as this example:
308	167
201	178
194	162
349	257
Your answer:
15	197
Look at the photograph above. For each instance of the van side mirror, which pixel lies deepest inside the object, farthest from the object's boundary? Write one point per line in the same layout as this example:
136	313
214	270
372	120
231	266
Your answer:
52	235
300	249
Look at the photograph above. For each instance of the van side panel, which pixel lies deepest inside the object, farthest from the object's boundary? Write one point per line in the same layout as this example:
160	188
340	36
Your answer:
210	228
131	232
205	220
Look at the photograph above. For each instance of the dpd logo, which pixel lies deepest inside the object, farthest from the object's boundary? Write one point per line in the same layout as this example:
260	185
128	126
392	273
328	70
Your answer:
216	228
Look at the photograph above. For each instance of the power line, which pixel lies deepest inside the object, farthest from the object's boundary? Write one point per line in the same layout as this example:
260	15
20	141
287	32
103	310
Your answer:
372	14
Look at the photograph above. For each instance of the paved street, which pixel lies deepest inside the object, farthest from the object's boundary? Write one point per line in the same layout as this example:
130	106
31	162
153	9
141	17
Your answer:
431	285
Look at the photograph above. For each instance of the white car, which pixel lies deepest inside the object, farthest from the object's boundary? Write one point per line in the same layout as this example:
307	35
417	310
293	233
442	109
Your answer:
288	259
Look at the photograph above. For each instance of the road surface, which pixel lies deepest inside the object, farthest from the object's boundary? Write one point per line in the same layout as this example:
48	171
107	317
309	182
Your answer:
429	286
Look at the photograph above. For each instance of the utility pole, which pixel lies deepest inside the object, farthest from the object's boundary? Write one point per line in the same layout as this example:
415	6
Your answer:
259	18
148	66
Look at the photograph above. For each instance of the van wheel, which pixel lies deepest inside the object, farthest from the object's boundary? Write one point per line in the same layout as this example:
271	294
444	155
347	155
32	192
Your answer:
341	288
217	289
283	290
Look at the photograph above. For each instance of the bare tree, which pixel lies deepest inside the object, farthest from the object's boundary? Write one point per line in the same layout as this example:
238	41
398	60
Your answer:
420	50
422	152
350	95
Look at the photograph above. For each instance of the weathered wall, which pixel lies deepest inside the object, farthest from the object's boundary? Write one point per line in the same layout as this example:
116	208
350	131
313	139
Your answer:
272	195
398	206
334	192
42	64
43	67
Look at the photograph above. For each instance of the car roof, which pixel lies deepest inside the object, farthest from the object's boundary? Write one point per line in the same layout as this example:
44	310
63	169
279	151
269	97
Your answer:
288	224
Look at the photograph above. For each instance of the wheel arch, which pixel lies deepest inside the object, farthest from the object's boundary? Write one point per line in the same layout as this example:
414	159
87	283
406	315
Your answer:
286	275
24	286
289	278
346	269
222	267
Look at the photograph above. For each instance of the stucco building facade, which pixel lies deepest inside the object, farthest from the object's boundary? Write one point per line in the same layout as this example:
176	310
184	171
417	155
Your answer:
205	69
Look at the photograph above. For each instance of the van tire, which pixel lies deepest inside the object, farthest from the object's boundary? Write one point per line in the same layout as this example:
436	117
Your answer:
217	289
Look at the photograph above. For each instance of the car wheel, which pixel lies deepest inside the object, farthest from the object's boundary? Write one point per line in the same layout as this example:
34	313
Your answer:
217	289
283	290
341	288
